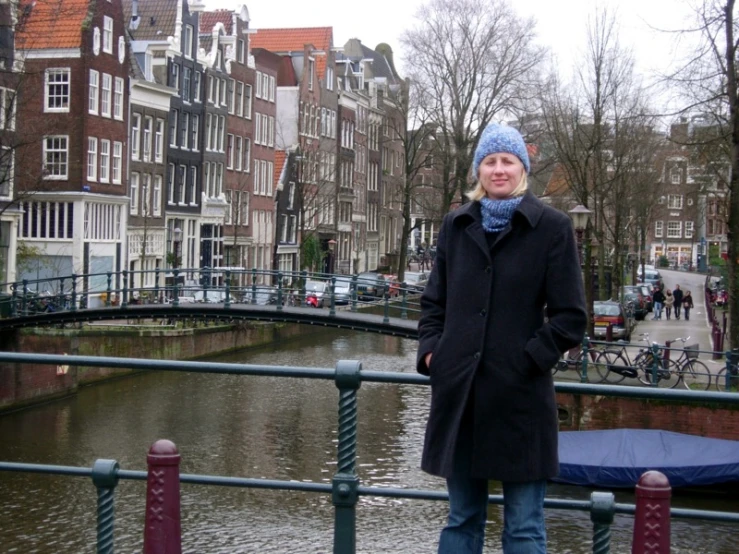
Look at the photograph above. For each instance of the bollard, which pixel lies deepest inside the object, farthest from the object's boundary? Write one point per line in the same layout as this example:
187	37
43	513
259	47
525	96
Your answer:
609	333
105	479
716	336
162	534
666	355
602	509
652	519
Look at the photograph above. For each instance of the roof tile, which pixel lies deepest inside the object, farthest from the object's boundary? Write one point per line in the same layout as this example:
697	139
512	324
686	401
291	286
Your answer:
294	40
36	19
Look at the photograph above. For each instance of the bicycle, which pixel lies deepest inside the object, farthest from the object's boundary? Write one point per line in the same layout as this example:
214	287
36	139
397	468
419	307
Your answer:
733	385
574	362
614	365
692	373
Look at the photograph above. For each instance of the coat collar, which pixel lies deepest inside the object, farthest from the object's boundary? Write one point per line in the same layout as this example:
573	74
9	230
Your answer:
530	208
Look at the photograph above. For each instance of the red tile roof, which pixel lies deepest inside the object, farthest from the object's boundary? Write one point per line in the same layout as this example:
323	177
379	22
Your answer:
46	24
294	40
280	157
208	20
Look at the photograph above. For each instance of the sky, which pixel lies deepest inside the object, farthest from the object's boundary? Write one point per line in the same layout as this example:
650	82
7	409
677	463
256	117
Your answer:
559	25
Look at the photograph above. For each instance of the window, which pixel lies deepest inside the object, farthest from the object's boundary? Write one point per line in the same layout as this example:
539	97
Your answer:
270	177
148	136
230	151
263	179
231	95
188	41
240	51
135	136
118	99
92	158
256	176
272	89
92	106
244	209
104	161
56	90
675	175
7	109
674	229
224	92
258	92
659	229
105	95
186	73
247	154
117	162
689	227
238	156
134	191
171	183
675	201
293	228
182	184
56	157
159	141
107	34
193	185
145	194
221	132
212	93
7	172
291	197
258	128
185	129
173	128
311	70
239	100
195	132
271	131
175	81
196	87
157	196
283	230
247	101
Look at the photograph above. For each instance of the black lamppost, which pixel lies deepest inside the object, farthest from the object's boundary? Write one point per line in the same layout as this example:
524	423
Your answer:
177	239
332	255
580	216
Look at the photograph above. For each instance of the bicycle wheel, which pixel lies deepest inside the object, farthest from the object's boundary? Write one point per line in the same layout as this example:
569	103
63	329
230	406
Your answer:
721	381
695	375
668	372
605	360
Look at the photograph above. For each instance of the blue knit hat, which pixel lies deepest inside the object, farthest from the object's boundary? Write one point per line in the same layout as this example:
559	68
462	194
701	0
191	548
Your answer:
497	138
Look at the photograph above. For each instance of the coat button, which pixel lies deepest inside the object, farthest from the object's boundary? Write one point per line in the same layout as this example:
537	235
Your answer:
488	269
483	313
476	356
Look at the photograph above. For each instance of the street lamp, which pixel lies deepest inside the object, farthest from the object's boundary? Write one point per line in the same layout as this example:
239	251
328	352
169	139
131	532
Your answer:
176	238
331	248
580	216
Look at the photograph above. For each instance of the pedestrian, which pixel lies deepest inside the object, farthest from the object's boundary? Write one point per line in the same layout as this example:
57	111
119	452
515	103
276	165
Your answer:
687	304
658	298
678	294
493	410
669	301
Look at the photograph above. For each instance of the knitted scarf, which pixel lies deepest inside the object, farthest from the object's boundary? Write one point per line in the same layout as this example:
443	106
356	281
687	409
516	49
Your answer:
496	214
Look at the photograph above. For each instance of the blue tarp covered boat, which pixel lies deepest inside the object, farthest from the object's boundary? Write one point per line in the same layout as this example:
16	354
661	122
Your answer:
617	458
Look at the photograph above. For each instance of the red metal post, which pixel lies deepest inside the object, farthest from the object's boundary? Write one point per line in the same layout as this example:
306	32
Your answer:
652	521
162	534
609	333
717	346
666	355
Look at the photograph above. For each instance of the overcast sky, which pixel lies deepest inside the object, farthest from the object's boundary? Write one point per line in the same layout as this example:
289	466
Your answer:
559	25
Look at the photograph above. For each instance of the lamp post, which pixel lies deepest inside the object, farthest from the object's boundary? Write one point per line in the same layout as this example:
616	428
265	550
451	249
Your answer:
176	238
580	216
331	248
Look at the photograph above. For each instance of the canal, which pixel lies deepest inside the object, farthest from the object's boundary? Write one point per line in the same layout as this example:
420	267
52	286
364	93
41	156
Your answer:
262	427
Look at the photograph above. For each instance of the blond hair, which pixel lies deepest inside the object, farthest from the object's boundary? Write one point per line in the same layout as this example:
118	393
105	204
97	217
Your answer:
478	193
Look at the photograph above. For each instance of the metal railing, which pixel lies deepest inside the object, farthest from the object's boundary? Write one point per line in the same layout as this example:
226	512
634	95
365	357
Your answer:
346	488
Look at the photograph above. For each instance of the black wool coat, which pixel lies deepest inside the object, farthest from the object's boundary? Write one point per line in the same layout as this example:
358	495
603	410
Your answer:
483	320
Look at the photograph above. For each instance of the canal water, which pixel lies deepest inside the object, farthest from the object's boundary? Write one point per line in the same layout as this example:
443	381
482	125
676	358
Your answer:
263	427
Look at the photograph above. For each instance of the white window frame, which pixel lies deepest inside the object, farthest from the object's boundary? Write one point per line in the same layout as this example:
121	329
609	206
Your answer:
174	119
62	164
659	229
117	167
118	93
188	42
135	136
675	201
148	137
193	185
171	183
248	100
157	196
106	91
107	34
146	194
159	141
230	148
689	229
247	155
134	194
195	132
104	161
92	158
238	154
94	95
674	229
61	78
196	85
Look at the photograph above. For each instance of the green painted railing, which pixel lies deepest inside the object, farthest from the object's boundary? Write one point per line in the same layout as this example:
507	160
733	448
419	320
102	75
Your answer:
346	487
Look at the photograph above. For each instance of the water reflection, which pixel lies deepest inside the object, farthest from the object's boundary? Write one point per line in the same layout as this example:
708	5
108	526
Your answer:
257	427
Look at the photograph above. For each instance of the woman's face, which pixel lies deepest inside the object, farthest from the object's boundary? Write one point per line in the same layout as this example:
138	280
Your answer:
500	174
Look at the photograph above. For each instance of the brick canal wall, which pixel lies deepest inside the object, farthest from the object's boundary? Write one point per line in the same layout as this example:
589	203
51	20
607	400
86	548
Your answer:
25	384
592	413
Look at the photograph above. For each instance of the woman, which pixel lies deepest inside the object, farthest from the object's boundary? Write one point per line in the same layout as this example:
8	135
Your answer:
687	304
488	350
669	302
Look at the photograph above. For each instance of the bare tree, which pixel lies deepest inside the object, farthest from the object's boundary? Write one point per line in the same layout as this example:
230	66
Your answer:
475	61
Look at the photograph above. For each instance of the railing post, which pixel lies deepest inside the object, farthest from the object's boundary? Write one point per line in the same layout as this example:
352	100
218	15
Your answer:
14	300
354	293
602	509
652	519
162	532
176	287
303	279
73	308
656	362
279	291
404	302
386	295
105	479
253	285
109	290
346	482
24	300
227	302
205	281
585	353
156	285
332	311
124	293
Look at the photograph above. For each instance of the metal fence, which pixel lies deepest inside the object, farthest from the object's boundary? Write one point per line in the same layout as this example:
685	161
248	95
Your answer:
346	488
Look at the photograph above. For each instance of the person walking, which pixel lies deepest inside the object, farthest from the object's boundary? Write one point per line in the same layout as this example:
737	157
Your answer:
678	295
658	298
669	302
687	304
493	410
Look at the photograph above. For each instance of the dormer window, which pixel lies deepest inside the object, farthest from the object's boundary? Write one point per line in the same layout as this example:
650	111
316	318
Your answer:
188	41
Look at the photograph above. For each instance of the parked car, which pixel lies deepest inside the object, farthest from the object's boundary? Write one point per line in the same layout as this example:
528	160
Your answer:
262	295
615	314
211	296
392	285
633	295
651	277
370	285
416	280
318	290
342	290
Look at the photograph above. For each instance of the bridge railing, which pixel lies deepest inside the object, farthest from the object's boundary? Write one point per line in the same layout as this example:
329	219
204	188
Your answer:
346	488
217	285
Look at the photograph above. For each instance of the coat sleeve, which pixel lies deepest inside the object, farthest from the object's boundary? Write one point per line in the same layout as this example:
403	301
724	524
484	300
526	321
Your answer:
565	298
433	303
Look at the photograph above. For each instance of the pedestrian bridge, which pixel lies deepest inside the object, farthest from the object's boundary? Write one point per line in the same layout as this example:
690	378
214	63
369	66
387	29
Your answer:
378	304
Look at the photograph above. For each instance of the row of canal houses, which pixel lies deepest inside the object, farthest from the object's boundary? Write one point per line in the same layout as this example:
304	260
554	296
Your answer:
153	134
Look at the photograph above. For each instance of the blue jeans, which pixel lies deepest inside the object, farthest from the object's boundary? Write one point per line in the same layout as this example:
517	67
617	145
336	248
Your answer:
523	512
658	310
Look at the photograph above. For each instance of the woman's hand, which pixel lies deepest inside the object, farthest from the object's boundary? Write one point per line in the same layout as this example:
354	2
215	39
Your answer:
427	359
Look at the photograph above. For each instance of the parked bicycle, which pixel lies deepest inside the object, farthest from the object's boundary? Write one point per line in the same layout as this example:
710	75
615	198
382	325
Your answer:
692	373
614	365
573	361
733	384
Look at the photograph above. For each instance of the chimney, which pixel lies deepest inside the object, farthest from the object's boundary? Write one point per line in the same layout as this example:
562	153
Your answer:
134	24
